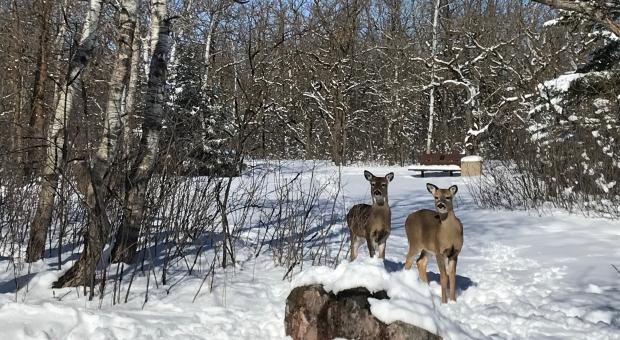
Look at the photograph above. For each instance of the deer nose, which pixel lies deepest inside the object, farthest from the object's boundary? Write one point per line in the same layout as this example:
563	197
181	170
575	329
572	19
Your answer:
377	193
441	206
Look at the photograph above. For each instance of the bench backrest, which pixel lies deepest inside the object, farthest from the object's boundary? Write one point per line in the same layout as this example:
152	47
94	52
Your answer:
440	159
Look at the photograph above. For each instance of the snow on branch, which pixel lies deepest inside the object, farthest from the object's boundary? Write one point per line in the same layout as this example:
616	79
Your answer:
602	12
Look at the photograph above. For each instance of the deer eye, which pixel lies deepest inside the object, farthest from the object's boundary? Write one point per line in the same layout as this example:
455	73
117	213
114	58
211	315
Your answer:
448	198
383	185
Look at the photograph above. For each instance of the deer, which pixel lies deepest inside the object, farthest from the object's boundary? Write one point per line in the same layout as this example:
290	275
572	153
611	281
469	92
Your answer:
371	222
438	232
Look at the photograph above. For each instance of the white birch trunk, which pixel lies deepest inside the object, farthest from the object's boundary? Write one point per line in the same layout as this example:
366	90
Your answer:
208	42
130	99
431	108
144	164
159	10
205	76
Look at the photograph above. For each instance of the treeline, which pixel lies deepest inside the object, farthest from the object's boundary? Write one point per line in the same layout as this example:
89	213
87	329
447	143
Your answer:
339	80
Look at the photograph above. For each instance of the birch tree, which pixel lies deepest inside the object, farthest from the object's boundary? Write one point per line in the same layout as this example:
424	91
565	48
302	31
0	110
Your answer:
143	165
55	158
431	105
98	229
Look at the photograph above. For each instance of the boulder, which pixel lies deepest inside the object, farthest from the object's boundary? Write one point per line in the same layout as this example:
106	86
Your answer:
314	314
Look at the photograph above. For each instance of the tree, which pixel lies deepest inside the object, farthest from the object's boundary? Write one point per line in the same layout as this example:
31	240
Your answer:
604	12
55	158
37	117
142	167
431	110
99	228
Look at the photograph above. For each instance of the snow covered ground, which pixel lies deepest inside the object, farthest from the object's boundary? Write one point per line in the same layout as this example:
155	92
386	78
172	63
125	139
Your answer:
520	276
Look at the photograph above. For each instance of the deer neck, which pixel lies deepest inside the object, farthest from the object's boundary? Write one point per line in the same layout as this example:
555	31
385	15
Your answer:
384	206
448	218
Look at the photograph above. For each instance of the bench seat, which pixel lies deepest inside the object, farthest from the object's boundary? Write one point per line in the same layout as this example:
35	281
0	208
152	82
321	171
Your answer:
444	168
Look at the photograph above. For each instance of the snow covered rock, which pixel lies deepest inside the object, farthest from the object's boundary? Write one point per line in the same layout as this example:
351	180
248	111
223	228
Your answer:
312	313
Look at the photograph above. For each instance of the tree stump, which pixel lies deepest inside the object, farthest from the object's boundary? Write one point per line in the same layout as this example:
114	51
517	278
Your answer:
313	314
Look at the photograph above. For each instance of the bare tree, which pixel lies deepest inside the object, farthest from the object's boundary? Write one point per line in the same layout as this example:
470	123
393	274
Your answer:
431	106
55	158
99	228
142	167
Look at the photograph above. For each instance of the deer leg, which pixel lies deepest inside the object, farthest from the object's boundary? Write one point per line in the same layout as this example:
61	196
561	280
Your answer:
371	246
354	245
443	277
382	250
421	264
409	257
452	277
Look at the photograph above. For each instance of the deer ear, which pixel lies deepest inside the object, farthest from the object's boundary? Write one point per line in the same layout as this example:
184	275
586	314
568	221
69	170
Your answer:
368	175
390	176
431	188
454	189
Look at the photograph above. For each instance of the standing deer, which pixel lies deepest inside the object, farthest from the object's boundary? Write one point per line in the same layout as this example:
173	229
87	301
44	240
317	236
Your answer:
371	222
438	232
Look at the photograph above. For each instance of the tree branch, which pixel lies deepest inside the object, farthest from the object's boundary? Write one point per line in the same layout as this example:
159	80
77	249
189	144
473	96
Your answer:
593	12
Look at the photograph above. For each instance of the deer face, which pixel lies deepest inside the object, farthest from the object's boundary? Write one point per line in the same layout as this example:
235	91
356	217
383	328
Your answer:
379	186
443	197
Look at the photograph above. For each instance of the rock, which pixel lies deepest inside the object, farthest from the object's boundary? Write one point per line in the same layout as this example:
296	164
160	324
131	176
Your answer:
313	314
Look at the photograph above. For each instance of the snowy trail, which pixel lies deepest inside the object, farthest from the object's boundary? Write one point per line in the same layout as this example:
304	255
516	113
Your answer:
520	276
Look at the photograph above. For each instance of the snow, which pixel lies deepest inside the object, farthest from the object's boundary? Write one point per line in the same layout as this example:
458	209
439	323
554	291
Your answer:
520	275
551	22
369	273
602	104
563	82
603	184
472	132
417	167
43	313
472	158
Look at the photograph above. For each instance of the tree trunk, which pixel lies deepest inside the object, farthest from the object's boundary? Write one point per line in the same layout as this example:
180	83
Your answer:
339	128
59	50
36	124
15	27
431	108
98	230
130	99
18	137
159	11
54	162
309	127
142	168
205	115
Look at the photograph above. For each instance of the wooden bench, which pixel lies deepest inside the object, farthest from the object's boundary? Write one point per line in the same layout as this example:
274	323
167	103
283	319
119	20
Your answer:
450	163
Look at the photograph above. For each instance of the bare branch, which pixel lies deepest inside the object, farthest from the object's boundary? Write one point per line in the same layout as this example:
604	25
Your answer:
596	13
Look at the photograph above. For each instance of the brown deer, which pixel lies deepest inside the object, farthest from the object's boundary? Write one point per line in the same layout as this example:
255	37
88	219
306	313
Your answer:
438	232
371	222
